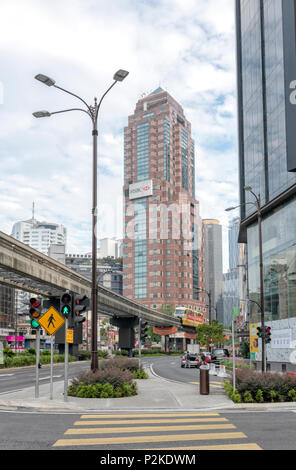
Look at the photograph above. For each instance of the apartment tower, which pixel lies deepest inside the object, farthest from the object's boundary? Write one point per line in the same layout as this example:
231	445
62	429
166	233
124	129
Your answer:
162	246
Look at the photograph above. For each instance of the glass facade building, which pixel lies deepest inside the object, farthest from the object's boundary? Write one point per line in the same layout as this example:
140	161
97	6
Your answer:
266	73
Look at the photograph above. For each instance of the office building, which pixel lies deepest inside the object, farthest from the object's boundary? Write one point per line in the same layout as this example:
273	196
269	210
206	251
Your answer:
213	264
266	64
38	235
162	246
235	280
109	248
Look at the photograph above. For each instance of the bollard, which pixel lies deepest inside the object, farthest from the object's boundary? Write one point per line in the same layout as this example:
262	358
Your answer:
204	383
222	372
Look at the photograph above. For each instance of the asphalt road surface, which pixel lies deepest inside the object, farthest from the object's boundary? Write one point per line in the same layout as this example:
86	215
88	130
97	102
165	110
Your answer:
235	430
229	430
20	378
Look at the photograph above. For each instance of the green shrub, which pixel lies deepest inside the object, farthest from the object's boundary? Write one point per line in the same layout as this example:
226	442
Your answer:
123	352
248	397
140	374
272	386
103	354
292	394
9	352
84	355
83	390
236	397
45	353
273	396
31	351
259	396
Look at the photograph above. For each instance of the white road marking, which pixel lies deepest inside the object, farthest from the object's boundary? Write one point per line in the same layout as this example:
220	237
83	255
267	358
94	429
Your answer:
6	375
54	376
11	391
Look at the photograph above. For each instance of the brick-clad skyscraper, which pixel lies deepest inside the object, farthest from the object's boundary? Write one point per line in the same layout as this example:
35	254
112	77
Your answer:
162	248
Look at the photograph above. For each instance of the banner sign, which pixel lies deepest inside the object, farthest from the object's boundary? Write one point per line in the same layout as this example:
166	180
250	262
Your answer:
141	189
165	331
254	347
192	320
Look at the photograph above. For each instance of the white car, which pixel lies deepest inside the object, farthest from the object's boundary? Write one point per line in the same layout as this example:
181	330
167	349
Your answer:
194	360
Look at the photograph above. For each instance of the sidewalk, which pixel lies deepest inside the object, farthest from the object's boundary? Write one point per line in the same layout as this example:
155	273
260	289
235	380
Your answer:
153	394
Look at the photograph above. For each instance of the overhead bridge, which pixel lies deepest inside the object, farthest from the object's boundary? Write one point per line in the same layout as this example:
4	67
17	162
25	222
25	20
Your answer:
24	268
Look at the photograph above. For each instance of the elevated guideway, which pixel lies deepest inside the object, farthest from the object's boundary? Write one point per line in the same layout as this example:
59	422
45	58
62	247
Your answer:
24	268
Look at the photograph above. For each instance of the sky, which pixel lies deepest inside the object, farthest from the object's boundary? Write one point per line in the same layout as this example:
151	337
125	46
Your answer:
185	46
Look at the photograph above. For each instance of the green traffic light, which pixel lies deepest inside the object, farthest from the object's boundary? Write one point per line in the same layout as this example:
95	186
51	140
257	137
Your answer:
34	323
66	310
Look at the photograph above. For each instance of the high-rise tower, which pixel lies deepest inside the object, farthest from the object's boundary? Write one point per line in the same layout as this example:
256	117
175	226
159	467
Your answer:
162	247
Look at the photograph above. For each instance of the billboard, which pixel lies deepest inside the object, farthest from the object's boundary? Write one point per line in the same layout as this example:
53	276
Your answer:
141	189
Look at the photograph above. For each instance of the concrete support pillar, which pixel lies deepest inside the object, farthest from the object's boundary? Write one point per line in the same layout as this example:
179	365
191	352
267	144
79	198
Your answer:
126	332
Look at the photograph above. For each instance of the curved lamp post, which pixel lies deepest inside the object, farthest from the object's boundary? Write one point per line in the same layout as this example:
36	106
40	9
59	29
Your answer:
257	204
92	111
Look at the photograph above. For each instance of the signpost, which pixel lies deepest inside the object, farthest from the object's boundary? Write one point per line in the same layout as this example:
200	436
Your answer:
51	321
70	336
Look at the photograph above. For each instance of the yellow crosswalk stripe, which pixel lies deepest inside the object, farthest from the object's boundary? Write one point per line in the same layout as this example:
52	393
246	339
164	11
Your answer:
195	427
147	415
249	446
145	421
141	439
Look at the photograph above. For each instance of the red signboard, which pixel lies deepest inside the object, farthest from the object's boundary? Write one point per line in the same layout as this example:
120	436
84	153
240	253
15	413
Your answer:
165	331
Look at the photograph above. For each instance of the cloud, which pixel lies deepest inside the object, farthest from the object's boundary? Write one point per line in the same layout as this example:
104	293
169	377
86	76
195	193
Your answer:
187	47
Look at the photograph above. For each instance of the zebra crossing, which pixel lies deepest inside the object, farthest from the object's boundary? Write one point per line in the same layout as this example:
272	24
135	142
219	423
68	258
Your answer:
162	431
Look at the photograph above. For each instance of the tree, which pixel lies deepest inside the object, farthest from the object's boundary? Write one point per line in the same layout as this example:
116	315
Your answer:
205	332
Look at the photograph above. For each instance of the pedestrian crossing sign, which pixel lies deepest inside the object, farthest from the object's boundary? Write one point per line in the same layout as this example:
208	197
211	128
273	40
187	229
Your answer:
51	321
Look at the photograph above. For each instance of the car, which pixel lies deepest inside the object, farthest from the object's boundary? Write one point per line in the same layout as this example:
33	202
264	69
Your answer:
194	360
221	353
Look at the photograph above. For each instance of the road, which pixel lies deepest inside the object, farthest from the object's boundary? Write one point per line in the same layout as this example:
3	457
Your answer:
20	378
123	431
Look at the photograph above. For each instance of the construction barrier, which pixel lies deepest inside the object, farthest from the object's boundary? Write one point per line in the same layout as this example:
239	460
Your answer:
212	369
222	372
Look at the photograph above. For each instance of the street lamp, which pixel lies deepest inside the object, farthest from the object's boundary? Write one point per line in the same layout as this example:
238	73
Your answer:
92	111
257	204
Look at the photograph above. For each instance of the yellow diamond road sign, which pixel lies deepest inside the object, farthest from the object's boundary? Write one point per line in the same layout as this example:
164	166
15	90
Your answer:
51	321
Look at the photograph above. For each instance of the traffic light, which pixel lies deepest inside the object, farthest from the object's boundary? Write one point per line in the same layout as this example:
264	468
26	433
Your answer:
143	331
267	334
80	305
259	332
35	311
66	304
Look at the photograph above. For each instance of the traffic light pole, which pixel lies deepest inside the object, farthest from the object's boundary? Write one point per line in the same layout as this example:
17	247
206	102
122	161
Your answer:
66	363
37	362
140	343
